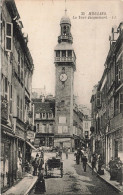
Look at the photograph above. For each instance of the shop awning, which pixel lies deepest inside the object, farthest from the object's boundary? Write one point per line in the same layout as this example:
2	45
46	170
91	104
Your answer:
31	145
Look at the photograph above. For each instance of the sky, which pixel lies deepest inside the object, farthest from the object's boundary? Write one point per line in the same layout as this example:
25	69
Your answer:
41	21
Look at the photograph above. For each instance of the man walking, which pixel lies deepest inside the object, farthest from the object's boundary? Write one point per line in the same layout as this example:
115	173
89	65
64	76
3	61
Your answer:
93	163
66	152
84	160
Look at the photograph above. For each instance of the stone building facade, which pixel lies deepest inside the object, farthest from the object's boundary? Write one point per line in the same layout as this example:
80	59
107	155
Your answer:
107	103
16	76
44	119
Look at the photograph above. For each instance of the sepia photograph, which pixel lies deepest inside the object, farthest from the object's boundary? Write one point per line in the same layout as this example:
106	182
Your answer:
61	97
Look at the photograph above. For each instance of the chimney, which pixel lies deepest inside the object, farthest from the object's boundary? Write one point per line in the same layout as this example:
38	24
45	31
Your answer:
114	35
120	28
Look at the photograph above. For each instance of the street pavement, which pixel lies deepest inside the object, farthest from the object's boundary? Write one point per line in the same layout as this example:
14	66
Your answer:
75	181
23	186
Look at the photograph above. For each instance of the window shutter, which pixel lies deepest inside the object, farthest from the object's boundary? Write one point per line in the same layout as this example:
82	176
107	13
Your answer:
9	36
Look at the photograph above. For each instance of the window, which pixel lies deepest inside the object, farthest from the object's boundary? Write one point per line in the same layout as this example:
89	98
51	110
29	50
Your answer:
50	115
6	88
41	115
19	71
11	92
50	128
2	32
37	127
63	53
121	103
62	119
18	106
43	128
37	115
9	34
60	129
98	99
116	105
6	85
57	53
22	64
10	98
64	30
2	85
62	103
118	72
21	109
47	115
69	53
65	129
44	115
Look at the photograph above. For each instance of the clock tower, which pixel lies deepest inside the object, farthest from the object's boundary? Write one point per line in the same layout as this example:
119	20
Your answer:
65	64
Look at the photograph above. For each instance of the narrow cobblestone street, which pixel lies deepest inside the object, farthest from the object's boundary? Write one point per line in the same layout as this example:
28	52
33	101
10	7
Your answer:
75	181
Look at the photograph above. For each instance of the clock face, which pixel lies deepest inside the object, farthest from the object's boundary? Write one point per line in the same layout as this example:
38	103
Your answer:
63	77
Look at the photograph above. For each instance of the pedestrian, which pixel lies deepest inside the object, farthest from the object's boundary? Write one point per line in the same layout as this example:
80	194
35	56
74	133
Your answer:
37	155
40	185
119	174
93	163
26	166
78	156
111	164
42	154
82	154
100	163
41	162
66	152
60	153
36	164
84	160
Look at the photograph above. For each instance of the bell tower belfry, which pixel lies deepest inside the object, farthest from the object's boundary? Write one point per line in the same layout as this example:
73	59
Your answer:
65	65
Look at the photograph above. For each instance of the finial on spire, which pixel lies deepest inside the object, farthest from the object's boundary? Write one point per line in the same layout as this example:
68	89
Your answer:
65	11
65	8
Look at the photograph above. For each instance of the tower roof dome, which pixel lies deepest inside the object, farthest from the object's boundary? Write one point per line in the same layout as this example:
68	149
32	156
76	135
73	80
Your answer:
65	20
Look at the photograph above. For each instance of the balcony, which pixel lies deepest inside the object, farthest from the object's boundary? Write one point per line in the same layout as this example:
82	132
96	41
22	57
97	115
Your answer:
65	38
65	59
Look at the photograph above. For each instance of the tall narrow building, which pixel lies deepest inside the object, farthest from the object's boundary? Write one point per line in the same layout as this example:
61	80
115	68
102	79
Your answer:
65	63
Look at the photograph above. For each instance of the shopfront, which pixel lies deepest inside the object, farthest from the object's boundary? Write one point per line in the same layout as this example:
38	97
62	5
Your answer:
7	158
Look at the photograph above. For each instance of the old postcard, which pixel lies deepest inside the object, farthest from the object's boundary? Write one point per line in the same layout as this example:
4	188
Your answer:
61	97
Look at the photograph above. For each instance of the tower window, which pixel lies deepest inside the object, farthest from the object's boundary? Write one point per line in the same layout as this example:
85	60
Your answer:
63	53
64	30
69	53
57	53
